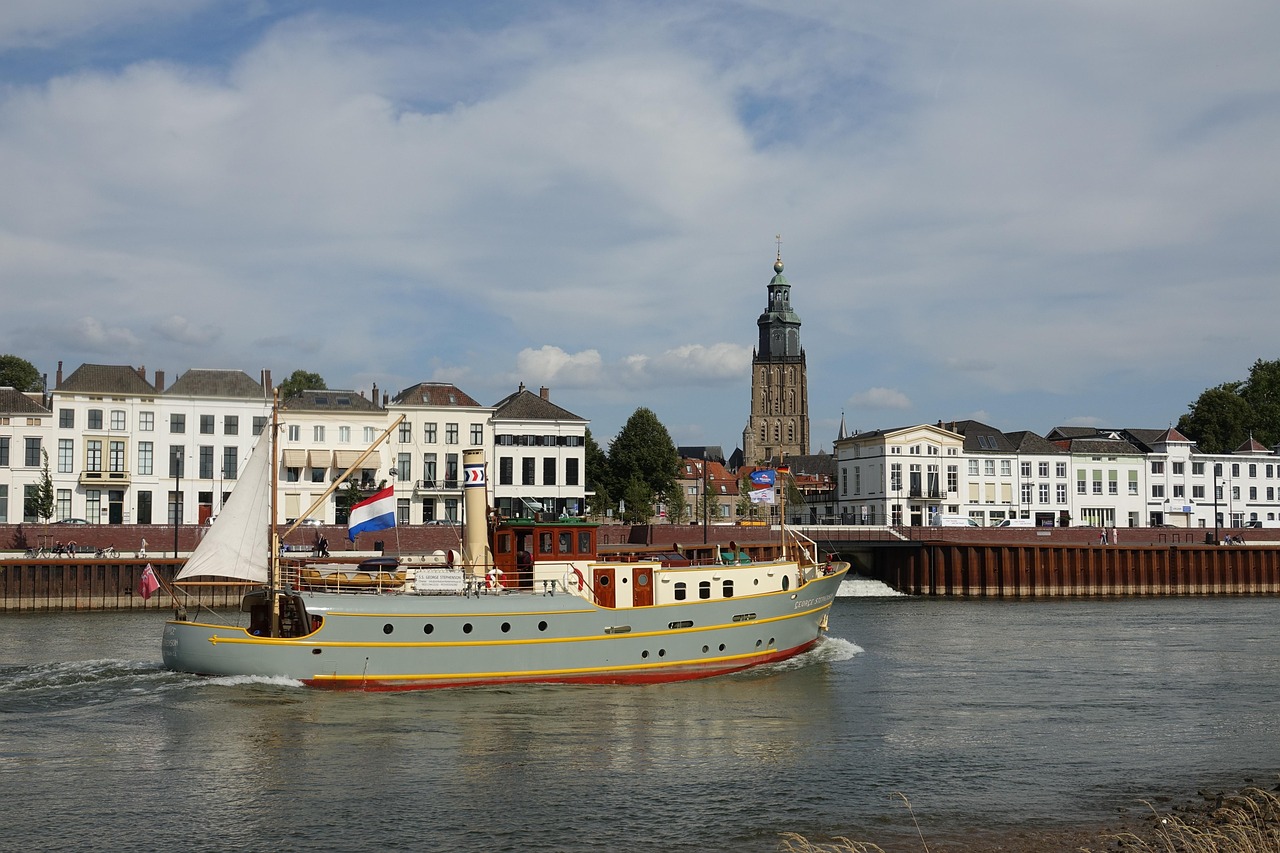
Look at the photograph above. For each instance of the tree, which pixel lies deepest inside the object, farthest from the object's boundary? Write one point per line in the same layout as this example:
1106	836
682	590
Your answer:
598	480
677	506
643	451
1225	417
299	381
39	503
20	374
637	499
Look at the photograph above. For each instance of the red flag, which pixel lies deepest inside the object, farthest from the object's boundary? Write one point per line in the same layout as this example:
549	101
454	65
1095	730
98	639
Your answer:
148	583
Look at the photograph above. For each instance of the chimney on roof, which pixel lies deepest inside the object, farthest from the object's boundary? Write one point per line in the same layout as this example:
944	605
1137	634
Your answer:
58	379
142	372
521	388
159	381
267	387
386	398
545	393
374	398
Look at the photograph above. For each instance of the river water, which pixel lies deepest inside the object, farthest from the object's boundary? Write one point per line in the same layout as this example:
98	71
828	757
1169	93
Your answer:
985	716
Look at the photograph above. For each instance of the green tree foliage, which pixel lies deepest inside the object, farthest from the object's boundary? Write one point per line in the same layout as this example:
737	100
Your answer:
677	506
20	374
39	504
1225	417
599	481
299	381
643	456
637	500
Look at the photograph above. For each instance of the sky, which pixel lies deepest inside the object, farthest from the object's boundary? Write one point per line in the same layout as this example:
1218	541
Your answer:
1028	214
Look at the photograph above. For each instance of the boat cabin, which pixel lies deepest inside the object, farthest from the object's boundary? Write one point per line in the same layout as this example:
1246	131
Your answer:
519	544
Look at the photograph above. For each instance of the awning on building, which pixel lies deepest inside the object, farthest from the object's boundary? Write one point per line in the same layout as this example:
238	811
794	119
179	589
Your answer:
319	458
344	459
294	458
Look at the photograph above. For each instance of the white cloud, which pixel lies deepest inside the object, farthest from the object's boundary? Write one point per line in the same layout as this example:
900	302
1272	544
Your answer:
879	398
181	330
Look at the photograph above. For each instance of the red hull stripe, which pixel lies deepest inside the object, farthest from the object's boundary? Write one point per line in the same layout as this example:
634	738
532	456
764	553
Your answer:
682	672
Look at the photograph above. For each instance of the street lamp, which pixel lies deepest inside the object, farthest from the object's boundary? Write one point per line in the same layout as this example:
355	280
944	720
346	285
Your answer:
177	497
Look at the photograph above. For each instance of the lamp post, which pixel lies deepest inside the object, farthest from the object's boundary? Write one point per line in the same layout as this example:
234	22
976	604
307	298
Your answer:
706	497
1217	470
177	498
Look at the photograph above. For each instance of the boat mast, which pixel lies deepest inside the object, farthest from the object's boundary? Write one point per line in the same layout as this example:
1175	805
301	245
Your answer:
273	555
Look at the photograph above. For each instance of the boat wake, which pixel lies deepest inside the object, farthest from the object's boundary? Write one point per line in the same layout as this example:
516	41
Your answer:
856	587
53	686
241	680
828	650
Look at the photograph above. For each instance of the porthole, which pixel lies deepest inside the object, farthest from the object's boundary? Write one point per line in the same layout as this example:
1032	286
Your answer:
645	653
603	580
428	628
786	582
706	649
316	651
466	629
542	626
755	581
662	653
722	647
771	641
506	627
759	643
388	628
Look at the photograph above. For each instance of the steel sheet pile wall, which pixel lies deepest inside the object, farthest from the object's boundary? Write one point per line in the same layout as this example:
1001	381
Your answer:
992	570
61	584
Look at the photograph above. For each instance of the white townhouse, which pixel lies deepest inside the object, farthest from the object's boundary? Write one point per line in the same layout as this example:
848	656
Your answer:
132	452
25	427
440	421
538	465
907	475
991	475
1043	488
322	434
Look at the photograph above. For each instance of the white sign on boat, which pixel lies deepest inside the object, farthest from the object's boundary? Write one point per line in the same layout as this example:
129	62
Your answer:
437	579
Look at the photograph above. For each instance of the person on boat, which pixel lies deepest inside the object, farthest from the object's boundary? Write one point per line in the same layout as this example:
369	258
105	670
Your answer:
524	565
323	546
142	551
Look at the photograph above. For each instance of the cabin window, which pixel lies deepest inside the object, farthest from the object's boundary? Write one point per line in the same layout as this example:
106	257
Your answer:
704	589
786	583
544	542
728	589
680	591
504	543
584	542
566	542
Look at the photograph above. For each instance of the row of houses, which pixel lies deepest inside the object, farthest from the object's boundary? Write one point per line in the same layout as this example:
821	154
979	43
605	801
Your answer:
1073	476
122	449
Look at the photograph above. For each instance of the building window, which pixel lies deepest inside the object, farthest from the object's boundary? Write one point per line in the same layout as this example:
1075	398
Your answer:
206	462
450	433
206	424
1044	469
1062	493
33	452
1157	467
477	435
115	456
230	461
370	434
144	459
231	425
526	471
144	507
317	433
1157	490
177	424
1178	468
92	506
1006	468
175	460
429	472
549	471
4	451
571	472
67	418
404	470
259	424
405	433
344	435
1044	493
429	433
506	471
117	420
95	419
146	421
293	432
66	456
973	468
451	470
62	509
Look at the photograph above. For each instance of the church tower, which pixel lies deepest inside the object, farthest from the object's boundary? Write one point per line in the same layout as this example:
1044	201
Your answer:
779	424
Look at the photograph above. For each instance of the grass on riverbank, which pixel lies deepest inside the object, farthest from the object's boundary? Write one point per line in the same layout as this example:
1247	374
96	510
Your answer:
1243	822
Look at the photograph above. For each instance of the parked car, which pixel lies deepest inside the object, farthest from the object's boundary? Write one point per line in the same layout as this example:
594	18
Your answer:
71	521
1254	524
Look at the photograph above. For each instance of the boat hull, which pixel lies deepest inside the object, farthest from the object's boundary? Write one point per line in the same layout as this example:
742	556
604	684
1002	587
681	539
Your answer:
406	642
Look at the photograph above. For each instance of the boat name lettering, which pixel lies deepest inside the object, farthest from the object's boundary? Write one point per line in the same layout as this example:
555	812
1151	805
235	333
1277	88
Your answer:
813	602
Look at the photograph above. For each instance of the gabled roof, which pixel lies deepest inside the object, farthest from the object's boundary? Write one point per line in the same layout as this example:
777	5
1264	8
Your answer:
1173	434
701	451
14	402
1025	441
1099	446
815	463
979	437
216	383
330	401
524	405
120	379
434	394
1251	446
1060	432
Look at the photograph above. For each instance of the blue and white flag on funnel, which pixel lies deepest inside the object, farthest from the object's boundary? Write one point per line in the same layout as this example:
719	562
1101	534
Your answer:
377	512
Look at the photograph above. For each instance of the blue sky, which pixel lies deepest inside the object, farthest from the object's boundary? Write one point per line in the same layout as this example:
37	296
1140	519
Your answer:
1027	214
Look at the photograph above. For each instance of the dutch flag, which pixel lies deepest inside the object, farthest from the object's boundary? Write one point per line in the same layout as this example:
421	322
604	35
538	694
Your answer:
377	512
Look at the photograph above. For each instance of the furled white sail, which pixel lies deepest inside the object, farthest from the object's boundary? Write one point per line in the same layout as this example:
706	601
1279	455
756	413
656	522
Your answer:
235	545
